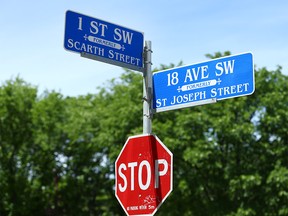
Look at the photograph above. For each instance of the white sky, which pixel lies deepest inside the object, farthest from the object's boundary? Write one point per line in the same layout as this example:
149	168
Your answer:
32	36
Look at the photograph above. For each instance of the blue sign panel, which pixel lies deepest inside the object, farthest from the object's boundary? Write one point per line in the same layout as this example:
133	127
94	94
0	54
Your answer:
202	83
103	41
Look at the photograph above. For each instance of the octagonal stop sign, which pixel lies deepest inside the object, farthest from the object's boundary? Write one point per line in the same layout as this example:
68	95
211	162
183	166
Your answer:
143	175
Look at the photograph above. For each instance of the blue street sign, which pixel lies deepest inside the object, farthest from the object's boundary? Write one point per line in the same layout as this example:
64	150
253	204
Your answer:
203	83
103	41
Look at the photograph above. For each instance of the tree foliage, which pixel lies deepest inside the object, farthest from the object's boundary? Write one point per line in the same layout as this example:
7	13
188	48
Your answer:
57	153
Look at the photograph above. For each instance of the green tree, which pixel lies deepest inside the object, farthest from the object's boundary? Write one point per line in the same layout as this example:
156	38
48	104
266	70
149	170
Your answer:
49	117
16	101
57	154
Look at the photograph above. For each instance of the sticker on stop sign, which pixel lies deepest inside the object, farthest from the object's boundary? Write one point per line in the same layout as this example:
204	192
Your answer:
143	175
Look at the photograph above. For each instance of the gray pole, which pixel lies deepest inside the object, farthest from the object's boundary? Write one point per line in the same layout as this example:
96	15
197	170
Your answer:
147	90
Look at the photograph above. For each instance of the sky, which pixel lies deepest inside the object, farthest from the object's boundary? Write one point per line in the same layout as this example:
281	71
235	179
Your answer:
32	37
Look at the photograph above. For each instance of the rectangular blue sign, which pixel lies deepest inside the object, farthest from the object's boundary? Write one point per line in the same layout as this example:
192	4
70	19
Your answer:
100	40
203	83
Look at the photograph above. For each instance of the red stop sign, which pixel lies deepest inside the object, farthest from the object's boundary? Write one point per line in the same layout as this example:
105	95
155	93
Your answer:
143	175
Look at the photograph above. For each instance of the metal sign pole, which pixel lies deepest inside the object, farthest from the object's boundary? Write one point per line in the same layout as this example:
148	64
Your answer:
147	90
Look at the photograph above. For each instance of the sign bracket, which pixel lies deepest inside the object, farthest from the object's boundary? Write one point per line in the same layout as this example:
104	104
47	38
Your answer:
181	106
109	61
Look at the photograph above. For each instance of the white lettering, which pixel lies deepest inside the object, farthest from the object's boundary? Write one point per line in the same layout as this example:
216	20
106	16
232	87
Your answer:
70	43
229	66
202	71
213	92
126	36
219	68
140	176
95	28
117	31
100	51
188	75
77	45
89	48
94	25
122	188
144	174
161	173
80	23
161	102
158	103
124	58
188	97
226	66
82	47
132	166
229	90
195	74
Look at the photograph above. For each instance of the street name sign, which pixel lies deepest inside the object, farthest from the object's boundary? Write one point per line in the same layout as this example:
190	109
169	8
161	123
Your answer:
143	175
104	41
203	83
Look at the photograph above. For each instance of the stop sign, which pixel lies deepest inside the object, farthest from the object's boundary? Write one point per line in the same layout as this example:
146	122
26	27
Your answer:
143	175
